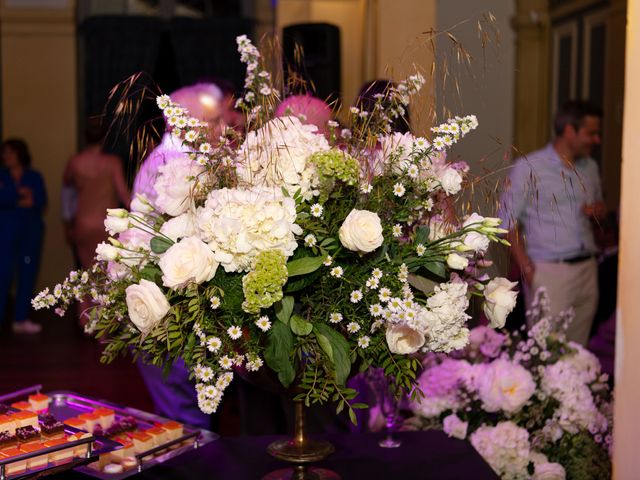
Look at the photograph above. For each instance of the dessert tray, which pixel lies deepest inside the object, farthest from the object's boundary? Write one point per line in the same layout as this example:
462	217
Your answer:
101	439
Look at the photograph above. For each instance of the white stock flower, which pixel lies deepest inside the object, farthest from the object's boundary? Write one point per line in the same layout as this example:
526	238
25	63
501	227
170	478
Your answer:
146	305
190	260
115	223
174	184
454	427
361	231
499	300
403	339
238	224
477	242
140	203
277	154
505	386
457	262
107	252
450	180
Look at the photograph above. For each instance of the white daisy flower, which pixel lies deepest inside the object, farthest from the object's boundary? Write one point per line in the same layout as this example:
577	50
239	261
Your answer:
210	391
328	261
226	362
372	283
376	273
355	296
375	309
181	122
332	124
427	204
214	302
396	230
413	171
316	210
399	190
213	344
207	374
191	136
234	332
163	101
420	249
366	188
265	90
448	141
384	295
376	325
263	323
438	143
354	110
193	122
364	341
335	317
336	272
310	240
205	148
353	327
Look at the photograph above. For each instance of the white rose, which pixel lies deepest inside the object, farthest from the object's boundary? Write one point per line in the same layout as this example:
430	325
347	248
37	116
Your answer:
361	231
179	227
146	304
549	471
190	260
505	386
457	262
403	340
500	300
106	252
450	179
454	427
114	225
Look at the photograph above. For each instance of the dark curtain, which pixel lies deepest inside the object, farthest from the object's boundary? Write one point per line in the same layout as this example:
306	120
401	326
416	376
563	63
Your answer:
206	49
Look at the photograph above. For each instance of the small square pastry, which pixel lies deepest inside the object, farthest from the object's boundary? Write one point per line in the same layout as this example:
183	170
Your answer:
21	405
8	440
125	451
39	402
106	417
25	418
35	462
7	424
15	467
76	422
59	456
51	428
174	429
158	434
27	434
79	450
141	441
91	420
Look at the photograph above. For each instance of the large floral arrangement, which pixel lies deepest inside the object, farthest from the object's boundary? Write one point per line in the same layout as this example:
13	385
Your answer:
533	405
293	249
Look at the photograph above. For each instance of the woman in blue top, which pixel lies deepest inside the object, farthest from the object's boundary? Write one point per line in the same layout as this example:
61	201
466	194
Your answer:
22	201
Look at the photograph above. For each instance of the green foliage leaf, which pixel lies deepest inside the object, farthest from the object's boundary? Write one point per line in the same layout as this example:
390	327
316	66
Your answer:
160	244
151	273
436	268
300	326
230	285
422	234
298	283
304	265
277	352
336	348
284	308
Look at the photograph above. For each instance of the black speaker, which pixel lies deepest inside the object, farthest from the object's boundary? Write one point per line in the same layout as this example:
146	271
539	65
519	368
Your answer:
320	63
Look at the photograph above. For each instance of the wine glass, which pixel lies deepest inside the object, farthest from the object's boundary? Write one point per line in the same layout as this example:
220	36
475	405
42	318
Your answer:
389	406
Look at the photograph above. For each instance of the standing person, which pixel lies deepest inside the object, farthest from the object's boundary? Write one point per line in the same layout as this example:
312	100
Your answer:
22	200
553	197
98	181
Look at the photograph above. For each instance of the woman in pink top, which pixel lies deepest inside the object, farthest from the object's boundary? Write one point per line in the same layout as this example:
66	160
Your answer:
98	180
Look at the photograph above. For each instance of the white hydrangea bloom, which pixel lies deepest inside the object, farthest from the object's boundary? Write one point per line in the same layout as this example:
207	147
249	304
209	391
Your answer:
506	449
277	155
175	183
238	224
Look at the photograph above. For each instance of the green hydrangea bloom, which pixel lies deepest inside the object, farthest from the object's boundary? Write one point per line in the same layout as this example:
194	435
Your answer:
262	286
335	165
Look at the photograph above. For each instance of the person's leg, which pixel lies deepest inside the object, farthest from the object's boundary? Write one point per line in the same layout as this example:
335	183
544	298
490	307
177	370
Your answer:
584	281
552	276
28	265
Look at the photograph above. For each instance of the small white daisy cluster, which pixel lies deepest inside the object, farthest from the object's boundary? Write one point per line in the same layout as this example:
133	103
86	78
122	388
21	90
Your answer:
257	82
210	392
451	131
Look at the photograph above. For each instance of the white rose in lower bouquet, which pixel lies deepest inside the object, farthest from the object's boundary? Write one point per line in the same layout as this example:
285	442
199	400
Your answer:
189	260
403	340
146	304
500	299
361	231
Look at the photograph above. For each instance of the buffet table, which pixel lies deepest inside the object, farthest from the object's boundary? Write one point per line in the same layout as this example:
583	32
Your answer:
423	455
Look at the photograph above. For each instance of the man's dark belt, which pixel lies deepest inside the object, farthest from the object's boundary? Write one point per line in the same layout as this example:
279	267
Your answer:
578	259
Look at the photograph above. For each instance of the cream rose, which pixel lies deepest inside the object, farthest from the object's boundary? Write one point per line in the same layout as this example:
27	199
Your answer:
146	304
361	231
454	427
505	386
549	471
190	260
403	340
450	180
499	301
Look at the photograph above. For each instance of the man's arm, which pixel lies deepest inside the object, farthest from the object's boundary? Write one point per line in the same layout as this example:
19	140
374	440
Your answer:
519	254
